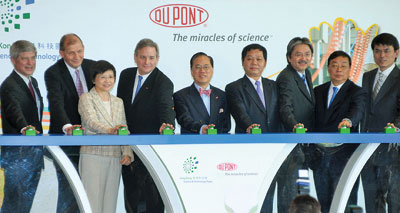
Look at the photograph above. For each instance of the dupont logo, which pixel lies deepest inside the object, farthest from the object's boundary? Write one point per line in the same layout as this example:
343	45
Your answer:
227	166
12	12
179	15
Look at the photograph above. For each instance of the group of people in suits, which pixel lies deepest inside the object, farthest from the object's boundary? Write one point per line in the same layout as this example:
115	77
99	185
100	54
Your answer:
79	94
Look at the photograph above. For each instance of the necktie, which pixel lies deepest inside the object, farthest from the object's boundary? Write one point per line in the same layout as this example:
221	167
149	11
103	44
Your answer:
377	85
205	91
303	77
260	93
78	83
139	84
335	90
31	89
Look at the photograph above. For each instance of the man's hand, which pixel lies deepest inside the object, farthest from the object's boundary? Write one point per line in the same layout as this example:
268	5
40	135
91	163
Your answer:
297	125
163	125
344	123
204	130
68	130
248	130
27	127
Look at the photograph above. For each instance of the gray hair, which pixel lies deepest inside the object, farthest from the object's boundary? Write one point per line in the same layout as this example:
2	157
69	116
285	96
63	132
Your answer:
21	46
146	42
296	41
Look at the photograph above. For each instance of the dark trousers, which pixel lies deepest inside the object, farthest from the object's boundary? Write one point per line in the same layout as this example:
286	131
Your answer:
380	177
66	201
286	180
328	168
22	169
139	188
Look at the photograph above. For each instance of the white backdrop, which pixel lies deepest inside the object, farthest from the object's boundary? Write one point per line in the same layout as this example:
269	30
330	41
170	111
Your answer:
111	29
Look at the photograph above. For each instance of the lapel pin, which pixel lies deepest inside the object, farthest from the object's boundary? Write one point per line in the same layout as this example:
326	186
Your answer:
221	110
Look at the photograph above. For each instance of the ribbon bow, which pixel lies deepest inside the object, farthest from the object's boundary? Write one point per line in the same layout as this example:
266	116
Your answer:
205	91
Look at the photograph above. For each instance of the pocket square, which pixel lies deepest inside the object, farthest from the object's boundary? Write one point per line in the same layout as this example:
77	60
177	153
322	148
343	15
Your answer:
221	110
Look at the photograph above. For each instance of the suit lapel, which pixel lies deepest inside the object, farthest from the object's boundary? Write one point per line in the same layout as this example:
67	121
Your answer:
23	85
390	81
249	88
146	86
35	85
302	86
196	100
130	84
337	101
214	104
310	85
267	94
66	76
86	72
102	110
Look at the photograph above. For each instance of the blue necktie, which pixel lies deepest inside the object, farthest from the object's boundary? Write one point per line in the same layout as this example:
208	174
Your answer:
335	89
260	93
305	83
139	84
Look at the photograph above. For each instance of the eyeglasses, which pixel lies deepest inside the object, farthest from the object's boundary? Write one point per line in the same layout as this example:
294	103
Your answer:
205	67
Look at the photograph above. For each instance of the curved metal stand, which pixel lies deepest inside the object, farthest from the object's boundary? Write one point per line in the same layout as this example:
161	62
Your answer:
350	175
72	176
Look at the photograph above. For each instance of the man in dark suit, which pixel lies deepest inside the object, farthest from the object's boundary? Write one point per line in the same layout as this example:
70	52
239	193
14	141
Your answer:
66	80
381	174
253	100
339	103
201	105
21	107
147	95
297	107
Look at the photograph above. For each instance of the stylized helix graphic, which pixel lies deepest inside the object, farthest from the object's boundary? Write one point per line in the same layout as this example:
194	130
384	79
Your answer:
343	35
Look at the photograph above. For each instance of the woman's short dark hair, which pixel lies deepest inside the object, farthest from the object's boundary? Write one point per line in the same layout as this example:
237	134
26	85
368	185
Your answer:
100	67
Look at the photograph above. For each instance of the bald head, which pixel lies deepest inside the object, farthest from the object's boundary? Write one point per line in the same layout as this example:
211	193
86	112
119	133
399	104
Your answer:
69	39
72	50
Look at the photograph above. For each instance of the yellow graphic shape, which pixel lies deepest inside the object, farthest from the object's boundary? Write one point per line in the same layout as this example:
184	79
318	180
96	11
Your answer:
342	35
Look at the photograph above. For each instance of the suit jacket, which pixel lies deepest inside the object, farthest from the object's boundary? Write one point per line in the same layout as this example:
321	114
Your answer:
247	108
18	110
63	98
97	120
191	112
62	94
386	106
153	104
296	104
18	106
348	103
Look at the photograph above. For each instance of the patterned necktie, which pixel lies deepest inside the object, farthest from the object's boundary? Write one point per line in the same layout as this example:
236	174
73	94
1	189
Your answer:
303	77
78	83
377	85
260	93
205	91
335	90
139	84
31	89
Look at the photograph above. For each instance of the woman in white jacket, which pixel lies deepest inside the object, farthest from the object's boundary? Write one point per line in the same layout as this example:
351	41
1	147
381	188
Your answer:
100	166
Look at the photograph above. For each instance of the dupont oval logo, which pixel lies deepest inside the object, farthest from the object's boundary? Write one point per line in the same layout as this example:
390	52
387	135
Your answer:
178	15
227	166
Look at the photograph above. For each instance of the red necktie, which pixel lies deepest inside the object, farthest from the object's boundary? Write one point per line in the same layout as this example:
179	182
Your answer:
205	91
31	89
